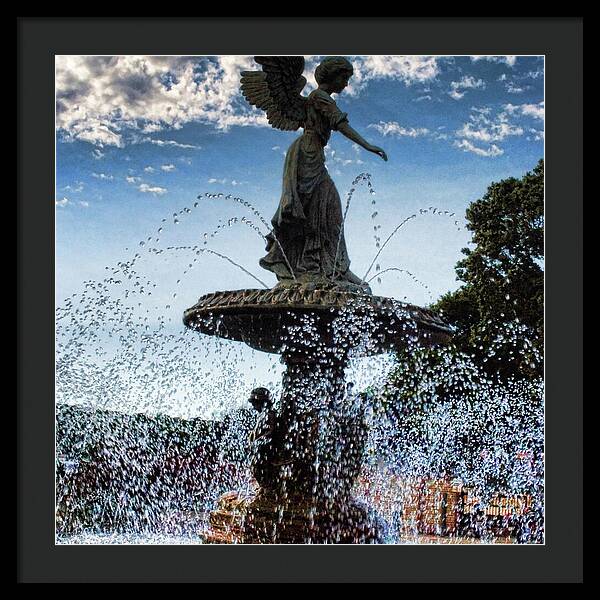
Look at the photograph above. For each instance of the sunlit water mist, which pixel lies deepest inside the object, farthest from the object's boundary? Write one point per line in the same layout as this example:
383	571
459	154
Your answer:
153	426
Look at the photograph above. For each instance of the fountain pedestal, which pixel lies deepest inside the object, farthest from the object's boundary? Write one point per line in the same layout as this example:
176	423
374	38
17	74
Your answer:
307	469
308	462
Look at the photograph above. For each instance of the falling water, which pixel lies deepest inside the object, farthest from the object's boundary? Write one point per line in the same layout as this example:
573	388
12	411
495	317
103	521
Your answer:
423	211
405	272
362	177
152	423
256	212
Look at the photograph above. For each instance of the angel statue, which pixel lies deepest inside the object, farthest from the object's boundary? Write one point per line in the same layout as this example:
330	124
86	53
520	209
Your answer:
306	245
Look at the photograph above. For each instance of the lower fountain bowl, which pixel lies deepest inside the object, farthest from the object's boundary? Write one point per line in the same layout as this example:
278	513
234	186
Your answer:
268	320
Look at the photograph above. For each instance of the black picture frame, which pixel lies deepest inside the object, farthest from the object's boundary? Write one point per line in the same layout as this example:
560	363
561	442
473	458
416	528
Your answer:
559	559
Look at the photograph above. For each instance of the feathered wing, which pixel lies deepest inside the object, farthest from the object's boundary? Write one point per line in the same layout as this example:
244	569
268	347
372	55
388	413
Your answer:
276	90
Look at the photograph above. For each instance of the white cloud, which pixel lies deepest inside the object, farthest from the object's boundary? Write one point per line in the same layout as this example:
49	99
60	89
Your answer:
395	129
75	188
534	74
467	146
102	98
512	88
61	202
409	69
173	143
149	169
468	82
225	181
456	95
97	154
148	189
485	128
536	111
167	168
132	179
509	60
340	160
105	100
84	203
103	176
536	134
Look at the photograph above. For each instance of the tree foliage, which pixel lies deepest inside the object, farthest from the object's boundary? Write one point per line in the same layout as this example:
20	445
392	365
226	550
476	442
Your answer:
473	410
500	306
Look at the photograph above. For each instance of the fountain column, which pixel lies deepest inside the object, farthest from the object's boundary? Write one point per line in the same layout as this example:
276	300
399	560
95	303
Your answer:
308	471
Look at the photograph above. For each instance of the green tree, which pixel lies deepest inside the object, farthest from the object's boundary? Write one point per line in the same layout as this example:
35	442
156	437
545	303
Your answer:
469	410
499	310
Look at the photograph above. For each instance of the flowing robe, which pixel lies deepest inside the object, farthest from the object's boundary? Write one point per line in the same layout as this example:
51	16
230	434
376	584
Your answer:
308	231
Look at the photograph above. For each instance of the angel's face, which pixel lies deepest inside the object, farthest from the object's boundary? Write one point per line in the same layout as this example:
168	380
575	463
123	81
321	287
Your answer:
340	82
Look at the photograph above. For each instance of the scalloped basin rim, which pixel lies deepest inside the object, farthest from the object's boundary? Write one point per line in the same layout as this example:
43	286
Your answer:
260	317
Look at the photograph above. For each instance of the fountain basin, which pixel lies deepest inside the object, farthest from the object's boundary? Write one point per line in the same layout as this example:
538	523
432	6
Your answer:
268	319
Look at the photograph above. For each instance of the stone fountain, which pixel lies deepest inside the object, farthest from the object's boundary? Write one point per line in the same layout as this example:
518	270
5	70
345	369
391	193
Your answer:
318	317
307	469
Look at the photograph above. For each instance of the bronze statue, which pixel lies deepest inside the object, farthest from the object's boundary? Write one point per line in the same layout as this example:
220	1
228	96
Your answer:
307	451
261	438
307	243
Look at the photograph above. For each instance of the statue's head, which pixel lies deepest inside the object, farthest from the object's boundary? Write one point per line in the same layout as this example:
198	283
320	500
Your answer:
335	71
260	398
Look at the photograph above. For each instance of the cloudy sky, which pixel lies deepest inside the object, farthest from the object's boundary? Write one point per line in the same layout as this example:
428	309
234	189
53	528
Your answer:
139	138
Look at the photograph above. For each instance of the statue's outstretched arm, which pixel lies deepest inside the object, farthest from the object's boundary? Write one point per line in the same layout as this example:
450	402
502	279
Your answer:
353	135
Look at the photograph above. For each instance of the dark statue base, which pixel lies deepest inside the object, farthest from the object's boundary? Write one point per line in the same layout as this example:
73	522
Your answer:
262	520
301	522
308	463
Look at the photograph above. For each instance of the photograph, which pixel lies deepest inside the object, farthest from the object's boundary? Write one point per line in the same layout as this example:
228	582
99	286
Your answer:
299	299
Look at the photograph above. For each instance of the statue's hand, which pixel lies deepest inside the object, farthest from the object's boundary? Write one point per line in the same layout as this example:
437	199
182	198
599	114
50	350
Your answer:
379	151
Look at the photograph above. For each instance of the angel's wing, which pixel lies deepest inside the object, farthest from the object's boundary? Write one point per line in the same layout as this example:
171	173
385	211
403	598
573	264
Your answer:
276	90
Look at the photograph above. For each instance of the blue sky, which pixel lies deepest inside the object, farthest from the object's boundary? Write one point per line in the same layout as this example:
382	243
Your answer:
129	155
139	138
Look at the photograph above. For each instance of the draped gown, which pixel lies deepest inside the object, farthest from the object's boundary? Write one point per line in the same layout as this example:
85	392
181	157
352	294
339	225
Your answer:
307	225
